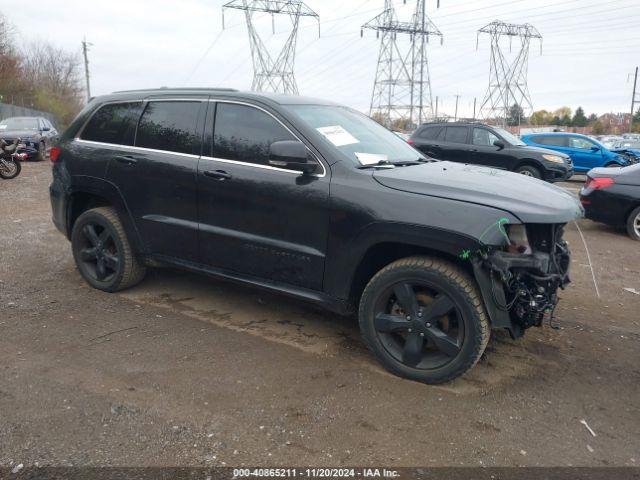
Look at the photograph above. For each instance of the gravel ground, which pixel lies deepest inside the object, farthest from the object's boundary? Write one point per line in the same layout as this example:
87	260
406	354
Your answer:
184	370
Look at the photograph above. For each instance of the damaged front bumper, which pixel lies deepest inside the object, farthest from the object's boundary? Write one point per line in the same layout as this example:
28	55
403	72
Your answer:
520	290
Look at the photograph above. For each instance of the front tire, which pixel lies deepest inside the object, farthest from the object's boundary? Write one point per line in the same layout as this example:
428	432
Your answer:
633	224
102	251
423	319
529	171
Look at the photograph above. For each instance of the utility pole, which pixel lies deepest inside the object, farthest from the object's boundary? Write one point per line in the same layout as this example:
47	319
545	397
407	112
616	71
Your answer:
402	87
436	117
85	50
474	108
633	101
455	117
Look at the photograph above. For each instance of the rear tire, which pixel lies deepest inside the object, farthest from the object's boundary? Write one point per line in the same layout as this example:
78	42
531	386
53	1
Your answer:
529	171
102	251
633	224
424	319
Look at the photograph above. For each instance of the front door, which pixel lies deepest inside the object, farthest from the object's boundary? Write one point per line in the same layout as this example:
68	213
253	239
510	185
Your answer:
484	152
157	177
586	154
257	220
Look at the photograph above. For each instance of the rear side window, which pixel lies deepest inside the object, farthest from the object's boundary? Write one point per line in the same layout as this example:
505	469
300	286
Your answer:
456	135
170	126
113	123
551	140
244	134
429	133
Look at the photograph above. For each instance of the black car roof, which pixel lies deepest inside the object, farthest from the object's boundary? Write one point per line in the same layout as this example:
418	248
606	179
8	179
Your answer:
273	98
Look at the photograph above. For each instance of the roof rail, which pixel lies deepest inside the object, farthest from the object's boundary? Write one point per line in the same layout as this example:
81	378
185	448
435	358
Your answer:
166	89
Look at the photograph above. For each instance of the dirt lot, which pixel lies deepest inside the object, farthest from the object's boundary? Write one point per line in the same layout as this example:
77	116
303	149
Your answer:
185	370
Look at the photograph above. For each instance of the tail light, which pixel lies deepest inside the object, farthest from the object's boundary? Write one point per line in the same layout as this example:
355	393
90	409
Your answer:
54	154
598	183
410	142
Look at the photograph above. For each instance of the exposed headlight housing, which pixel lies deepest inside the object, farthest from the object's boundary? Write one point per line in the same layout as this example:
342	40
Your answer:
553	158
519	241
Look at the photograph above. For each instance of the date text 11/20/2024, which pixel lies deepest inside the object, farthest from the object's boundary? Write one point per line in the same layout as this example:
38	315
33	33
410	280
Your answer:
315	473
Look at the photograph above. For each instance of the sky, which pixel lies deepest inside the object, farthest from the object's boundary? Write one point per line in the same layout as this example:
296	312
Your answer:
589	51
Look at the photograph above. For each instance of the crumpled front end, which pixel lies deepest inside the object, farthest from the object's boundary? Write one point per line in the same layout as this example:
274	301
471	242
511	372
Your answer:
520	281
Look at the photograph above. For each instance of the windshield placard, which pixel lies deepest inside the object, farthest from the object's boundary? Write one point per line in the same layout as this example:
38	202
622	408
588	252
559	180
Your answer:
337	135
370	158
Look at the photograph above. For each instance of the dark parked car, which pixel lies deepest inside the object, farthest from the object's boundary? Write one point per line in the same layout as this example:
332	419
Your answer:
612	196
37	135
316	201
490	146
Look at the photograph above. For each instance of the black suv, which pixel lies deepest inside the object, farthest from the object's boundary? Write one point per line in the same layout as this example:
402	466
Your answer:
316	201
36	135
492	147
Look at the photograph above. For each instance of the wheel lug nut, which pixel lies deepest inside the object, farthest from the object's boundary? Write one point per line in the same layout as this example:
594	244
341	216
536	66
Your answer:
409	317
410	330
422	334
428	325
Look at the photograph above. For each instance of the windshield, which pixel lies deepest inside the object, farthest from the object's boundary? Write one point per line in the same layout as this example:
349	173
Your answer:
509	137
356	136
19	124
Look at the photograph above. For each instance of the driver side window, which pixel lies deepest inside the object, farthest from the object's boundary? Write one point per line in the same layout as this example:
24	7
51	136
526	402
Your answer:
483	137
244	134
581	143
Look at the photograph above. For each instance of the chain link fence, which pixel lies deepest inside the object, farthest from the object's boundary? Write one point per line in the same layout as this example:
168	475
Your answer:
7	110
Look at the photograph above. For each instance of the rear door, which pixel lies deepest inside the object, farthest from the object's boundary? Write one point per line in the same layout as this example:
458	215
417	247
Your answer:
455	146
426	140
255	219
157	177
585	153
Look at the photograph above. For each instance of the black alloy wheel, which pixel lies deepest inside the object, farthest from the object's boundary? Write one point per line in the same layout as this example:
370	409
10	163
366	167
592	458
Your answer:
419	325
98	252
102	251
424	319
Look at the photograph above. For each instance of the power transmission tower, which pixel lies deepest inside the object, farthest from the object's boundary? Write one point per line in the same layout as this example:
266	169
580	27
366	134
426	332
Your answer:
85	52
274	74
508	79
402	89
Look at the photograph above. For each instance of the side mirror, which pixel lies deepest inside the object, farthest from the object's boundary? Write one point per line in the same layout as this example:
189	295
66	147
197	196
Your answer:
500	144
292	155
595	149
45	129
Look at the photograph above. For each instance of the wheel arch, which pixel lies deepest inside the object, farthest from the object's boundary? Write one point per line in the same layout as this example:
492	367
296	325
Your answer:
530	162
91	192
378	246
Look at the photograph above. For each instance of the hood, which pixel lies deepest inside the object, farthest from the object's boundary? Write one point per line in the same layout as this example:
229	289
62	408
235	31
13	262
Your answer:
18	133
529	199
541	151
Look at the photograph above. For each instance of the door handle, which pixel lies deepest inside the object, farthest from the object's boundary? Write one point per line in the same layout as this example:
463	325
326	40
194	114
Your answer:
220	175
126	160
